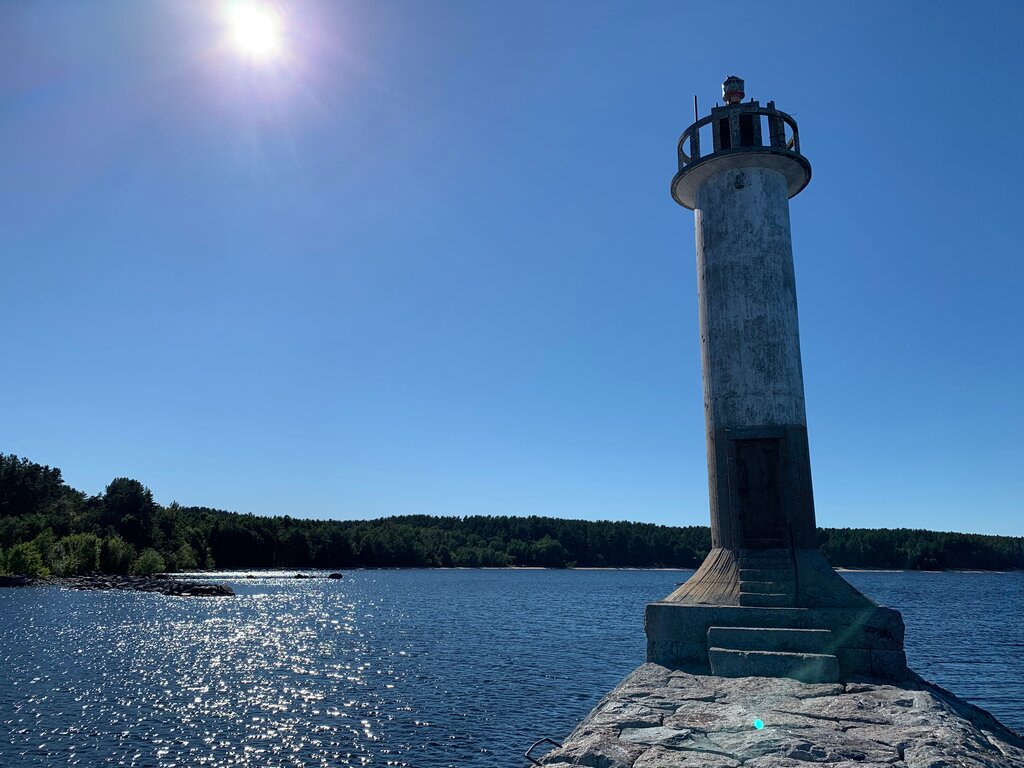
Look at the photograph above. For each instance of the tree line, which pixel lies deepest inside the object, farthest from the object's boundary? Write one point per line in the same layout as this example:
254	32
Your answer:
47	527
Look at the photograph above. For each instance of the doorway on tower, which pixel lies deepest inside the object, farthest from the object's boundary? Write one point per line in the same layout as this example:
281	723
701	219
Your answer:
759	492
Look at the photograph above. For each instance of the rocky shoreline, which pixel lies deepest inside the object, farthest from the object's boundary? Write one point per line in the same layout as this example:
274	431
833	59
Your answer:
161	584
662	718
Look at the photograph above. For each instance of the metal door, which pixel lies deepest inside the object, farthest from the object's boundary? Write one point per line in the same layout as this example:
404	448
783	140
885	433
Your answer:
759	489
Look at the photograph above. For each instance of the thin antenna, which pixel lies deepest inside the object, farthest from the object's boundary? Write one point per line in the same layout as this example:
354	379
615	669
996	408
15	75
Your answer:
695	117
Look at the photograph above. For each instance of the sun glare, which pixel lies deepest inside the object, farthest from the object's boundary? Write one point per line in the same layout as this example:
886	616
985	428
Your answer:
255	29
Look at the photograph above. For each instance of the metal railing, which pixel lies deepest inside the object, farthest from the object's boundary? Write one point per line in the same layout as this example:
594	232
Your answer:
536	744
777	122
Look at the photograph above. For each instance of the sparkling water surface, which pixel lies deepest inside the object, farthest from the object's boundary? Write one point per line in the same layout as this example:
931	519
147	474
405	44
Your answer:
407	668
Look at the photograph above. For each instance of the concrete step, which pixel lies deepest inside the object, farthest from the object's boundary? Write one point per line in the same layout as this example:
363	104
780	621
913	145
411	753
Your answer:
772	639
773	562
807	667
781	575
766	587
766	600
765	555
765	544
767	565
663	617
767	552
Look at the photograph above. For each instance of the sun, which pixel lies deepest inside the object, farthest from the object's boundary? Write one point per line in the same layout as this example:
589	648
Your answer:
254	29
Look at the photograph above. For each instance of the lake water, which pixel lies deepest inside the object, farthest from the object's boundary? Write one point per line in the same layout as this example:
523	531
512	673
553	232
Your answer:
404	668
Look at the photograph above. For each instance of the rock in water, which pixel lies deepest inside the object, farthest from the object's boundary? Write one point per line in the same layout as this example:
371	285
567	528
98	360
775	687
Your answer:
16	581
661	718
164	585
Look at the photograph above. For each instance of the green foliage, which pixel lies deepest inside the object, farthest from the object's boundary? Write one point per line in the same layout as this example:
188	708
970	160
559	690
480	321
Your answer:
73	533
76	554
904	548
184	558
26	487
148	562
45	542
129	507
24	559
117	555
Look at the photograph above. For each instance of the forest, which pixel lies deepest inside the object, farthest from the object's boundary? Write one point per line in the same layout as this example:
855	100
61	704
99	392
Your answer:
50	528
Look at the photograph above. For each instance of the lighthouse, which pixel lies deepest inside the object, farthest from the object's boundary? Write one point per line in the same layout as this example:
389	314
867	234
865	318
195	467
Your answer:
765	601
758	463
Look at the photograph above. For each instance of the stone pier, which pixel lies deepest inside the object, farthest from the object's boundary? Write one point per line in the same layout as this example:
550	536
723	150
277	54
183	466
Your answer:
664	718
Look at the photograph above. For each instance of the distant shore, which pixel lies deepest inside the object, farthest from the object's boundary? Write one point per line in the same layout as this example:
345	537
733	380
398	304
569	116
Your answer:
51	527
841	569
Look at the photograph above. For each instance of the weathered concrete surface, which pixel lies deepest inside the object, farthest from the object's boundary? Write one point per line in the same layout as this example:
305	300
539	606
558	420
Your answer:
807	577
799	665
660	718
750	344
867	641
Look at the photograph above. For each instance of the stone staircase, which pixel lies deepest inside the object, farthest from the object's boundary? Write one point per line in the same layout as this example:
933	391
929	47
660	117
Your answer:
767	581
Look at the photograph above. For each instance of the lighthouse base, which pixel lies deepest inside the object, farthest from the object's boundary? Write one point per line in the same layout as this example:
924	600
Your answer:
774	613
808	644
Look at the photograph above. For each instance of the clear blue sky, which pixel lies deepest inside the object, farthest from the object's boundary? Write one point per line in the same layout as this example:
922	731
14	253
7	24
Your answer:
426	261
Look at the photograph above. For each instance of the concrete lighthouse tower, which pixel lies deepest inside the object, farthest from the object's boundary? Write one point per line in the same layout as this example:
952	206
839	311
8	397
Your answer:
758	463
765	601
